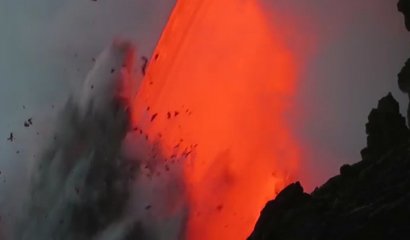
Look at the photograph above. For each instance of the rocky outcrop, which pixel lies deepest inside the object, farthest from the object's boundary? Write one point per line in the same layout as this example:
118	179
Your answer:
404	75
386	128
368	200
404	83
271	220
404	7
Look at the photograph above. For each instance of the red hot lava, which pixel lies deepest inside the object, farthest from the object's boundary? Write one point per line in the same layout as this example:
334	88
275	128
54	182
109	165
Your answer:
215	95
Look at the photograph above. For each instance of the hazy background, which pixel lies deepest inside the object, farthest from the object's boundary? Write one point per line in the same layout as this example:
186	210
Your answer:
47	46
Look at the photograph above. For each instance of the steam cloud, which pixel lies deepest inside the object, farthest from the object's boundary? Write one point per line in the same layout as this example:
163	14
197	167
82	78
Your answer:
85	185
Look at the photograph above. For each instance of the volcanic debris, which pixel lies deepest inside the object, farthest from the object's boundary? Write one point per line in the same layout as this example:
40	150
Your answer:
154	116
28	123
11	137
144	64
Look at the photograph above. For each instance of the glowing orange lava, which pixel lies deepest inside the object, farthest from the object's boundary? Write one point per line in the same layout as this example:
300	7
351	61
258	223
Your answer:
215	95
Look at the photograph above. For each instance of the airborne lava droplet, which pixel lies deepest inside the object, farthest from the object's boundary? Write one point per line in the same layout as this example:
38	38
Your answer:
154	116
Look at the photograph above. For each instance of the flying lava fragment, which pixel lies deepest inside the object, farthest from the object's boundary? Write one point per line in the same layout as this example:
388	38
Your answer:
214	95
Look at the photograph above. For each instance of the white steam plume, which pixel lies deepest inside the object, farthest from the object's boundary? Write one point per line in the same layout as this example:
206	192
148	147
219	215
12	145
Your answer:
85	184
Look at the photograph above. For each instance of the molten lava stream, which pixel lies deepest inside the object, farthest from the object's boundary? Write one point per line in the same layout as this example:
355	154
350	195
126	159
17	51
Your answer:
215	95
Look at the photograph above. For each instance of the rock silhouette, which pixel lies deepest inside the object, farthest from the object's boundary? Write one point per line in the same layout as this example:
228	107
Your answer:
404	76
386	128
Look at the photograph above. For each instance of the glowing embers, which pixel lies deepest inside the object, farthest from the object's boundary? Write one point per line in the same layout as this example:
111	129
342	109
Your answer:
214	96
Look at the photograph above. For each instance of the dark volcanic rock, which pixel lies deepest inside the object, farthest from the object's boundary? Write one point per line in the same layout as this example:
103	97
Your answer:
404	75
404	83
368	200
404	7
292	197
386	128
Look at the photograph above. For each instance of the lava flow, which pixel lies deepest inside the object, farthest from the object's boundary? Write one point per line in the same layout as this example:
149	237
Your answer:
214	96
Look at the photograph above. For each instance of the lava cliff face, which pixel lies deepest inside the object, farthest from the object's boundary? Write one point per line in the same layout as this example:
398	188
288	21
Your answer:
367	200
